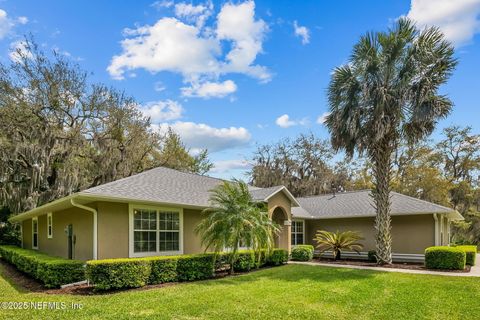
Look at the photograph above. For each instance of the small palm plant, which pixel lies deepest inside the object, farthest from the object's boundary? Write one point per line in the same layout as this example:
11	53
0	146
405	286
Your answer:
235	219
338	241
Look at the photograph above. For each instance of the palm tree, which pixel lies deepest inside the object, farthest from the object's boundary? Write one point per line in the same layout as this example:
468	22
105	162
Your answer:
388	92
338	241
235	220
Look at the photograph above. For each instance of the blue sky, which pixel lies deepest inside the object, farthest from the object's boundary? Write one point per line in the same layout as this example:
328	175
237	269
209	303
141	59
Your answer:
230	75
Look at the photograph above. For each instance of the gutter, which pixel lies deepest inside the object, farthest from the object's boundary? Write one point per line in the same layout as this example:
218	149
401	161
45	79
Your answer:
95	220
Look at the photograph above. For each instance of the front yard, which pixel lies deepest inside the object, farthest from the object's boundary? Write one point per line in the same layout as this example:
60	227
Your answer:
291	291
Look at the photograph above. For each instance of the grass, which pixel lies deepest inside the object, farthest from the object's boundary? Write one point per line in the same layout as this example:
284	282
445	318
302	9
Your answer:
292	291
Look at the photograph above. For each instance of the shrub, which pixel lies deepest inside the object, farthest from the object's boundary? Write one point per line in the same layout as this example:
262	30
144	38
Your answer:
445	258
372	256
195	267
136	272
52	271
471	253
302	252
118	273
245	261
277	257
163	269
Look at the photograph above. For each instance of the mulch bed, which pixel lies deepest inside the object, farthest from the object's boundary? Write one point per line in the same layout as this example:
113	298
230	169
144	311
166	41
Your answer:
397	265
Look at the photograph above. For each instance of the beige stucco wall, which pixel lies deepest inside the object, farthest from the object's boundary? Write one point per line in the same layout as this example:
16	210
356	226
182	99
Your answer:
82	222
112	225
27	233
191	241
281	202
410	234
113	230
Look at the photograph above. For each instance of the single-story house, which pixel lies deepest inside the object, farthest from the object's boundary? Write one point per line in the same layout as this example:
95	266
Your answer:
155	213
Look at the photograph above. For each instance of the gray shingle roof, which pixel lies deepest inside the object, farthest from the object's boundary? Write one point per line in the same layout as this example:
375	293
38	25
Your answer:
360	204
166	185
162	185
262	193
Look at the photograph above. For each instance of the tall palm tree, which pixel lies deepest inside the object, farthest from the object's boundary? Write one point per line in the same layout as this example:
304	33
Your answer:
235	219
386	93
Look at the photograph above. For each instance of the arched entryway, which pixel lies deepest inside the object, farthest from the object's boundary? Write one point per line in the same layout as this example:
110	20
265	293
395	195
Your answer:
280	216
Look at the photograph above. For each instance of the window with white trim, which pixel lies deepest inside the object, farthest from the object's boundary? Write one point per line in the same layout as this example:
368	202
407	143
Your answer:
298	232
35	233
155	231
49	226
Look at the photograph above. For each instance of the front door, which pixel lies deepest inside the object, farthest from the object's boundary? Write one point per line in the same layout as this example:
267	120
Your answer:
70	243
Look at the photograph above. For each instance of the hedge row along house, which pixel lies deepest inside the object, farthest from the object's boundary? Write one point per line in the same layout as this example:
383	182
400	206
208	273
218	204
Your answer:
155	213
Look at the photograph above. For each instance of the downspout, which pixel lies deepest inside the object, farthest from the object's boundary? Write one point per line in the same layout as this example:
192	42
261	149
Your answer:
436	228
94	212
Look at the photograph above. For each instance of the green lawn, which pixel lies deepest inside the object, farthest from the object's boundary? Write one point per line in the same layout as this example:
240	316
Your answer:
292	291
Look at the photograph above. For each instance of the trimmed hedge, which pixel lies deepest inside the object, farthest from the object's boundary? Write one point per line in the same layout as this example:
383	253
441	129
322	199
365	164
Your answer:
248	260
471	252
51	271
443	257
245	261
137	272
163	269
118	273
195	267
303	252
277	257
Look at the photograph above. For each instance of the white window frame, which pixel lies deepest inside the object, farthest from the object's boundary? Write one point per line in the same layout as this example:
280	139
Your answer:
49	225
34	219
295	232
132	253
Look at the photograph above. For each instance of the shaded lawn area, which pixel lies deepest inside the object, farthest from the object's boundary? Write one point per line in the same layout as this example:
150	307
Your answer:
291	291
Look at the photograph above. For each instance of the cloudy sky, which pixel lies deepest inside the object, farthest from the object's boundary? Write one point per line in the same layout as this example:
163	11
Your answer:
230	75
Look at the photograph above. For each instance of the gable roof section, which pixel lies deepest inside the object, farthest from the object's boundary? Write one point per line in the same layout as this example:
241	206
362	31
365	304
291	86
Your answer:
263	194
156	186
360	204
162	185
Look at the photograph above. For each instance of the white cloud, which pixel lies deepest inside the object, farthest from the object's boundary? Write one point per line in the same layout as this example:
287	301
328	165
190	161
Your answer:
158	86
168	45
458	19
210	89
195	50
6	24
323	117
201	136
22	20
302	32
162	4
18	50
223	166
162	110
237	23
197	14
284	121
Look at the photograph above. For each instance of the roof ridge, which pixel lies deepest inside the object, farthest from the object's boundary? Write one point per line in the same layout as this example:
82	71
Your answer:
421	200
331	194
157	168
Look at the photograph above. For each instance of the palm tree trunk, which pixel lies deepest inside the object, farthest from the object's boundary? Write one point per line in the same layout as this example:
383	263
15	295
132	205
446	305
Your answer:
381	196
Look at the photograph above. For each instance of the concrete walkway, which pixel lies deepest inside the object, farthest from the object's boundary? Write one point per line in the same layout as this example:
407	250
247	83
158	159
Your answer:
474	271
